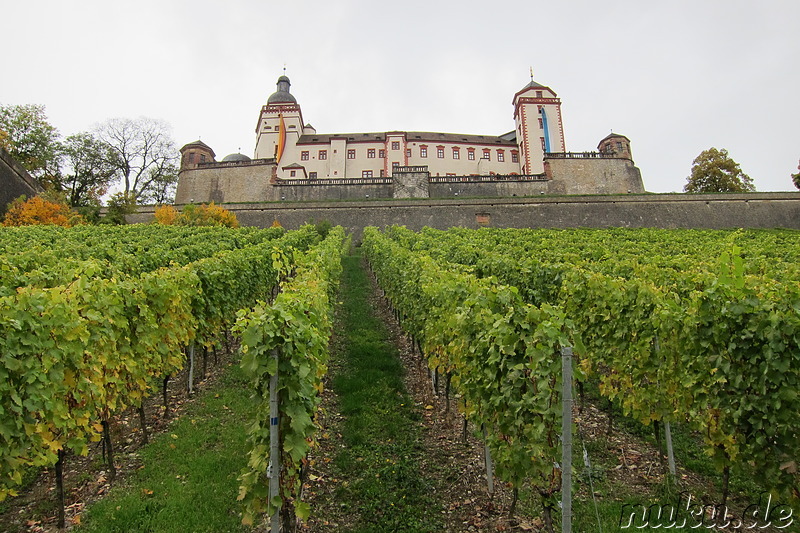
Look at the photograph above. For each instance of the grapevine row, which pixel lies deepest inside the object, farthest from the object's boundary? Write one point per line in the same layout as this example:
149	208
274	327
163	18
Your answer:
289	337
697	341
72	355
503	356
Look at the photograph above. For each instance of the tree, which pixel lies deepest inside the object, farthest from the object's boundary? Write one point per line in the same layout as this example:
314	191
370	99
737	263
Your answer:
796	178
714	171
162	187
118	206
31	140
144	154
91	167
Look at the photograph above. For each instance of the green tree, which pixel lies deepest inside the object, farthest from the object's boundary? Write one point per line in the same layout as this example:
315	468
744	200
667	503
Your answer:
796	178
118	206
162	187
714	171
31	140
144	154
90	169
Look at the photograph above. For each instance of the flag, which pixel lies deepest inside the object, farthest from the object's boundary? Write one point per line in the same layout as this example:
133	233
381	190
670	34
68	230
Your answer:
281	139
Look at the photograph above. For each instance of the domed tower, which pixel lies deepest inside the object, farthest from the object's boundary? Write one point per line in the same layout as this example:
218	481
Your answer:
616	145
540	130
280	124
194	153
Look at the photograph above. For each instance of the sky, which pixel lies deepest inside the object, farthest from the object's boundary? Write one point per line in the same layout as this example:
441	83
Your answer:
675	77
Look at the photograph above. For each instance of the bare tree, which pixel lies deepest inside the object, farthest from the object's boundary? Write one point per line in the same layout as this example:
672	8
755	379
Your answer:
145	154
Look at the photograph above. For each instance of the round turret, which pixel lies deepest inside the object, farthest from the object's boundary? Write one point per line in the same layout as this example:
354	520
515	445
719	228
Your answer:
617	145
195	153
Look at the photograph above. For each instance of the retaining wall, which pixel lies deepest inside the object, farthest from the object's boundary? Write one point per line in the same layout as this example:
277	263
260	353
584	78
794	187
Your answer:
713	211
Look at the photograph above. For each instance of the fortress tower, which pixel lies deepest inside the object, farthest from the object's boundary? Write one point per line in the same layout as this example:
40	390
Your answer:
539	128
279	125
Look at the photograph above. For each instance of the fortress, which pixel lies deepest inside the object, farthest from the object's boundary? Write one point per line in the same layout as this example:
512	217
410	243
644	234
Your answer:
292	162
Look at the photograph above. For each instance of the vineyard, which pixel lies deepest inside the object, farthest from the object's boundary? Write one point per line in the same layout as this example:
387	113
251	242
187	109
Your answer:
95	319
700	328
697	329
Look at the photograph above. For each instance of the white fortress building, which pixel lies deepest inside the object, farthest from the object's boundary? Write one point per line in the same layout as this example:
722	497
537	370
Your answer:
307	154
294	162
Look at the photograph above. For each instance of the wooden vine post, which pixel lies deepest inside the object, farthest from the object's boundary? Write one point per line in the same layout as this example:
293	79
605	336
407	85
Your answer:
274	469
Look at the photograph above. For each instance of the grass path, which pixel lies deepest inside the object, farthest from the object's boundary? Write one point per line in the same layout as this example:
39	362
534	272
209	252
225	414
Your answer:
379	466
188	481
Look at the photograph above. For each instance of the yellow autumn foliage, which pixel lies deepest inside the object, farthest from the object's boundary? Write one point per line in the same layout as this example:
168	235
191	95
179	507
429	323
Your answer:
36	210
196	215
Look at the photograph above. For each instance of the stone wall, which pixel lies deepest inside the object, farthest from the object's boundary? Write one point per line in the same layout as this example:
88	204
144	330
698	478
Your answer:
225	182
239	182
593	175
489	189
753	210
14	181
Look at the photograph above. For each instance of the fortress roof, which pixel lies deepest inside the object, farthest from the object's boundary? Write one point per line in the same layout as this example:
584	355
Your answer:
411	136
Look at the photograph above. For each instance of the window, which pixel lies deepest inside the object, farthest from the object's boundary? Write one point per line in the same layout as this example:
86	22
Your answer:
395	164
351	154
366	173
450	174
543	145
538	94
440	152
487	154
395	145
423	151
383	173
371	153
312	175
515	157
501	156
191	157
382	154
323	154
471	154
456	153
541	124
304	155
267	127
202	158
292	173
408	152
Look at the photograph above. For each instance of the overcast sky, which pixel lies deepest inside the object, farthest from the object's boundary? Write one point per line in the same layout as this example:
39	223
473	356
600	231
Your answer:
676	77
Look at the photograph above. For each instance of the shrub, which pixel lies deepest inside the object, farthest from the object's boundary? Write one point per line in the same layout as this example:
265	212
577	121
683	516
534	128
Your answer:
37	210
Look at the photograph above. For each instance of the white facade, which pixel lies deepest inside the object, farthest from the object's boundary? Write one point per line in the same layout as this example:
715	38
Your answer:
307	154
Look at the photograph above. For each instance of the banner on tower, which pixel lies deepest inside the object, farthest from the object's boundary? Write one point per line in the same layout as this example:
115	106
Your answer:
281	139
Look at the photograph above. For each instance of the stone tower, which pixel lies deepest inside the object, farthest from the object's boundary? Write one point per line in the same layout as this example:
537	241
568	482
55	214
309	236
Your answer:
617	145
194	153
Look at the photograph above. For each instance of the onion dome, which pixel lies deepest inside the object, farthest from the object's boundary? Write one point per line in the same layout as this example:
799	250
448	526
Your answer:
235	157
282	96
